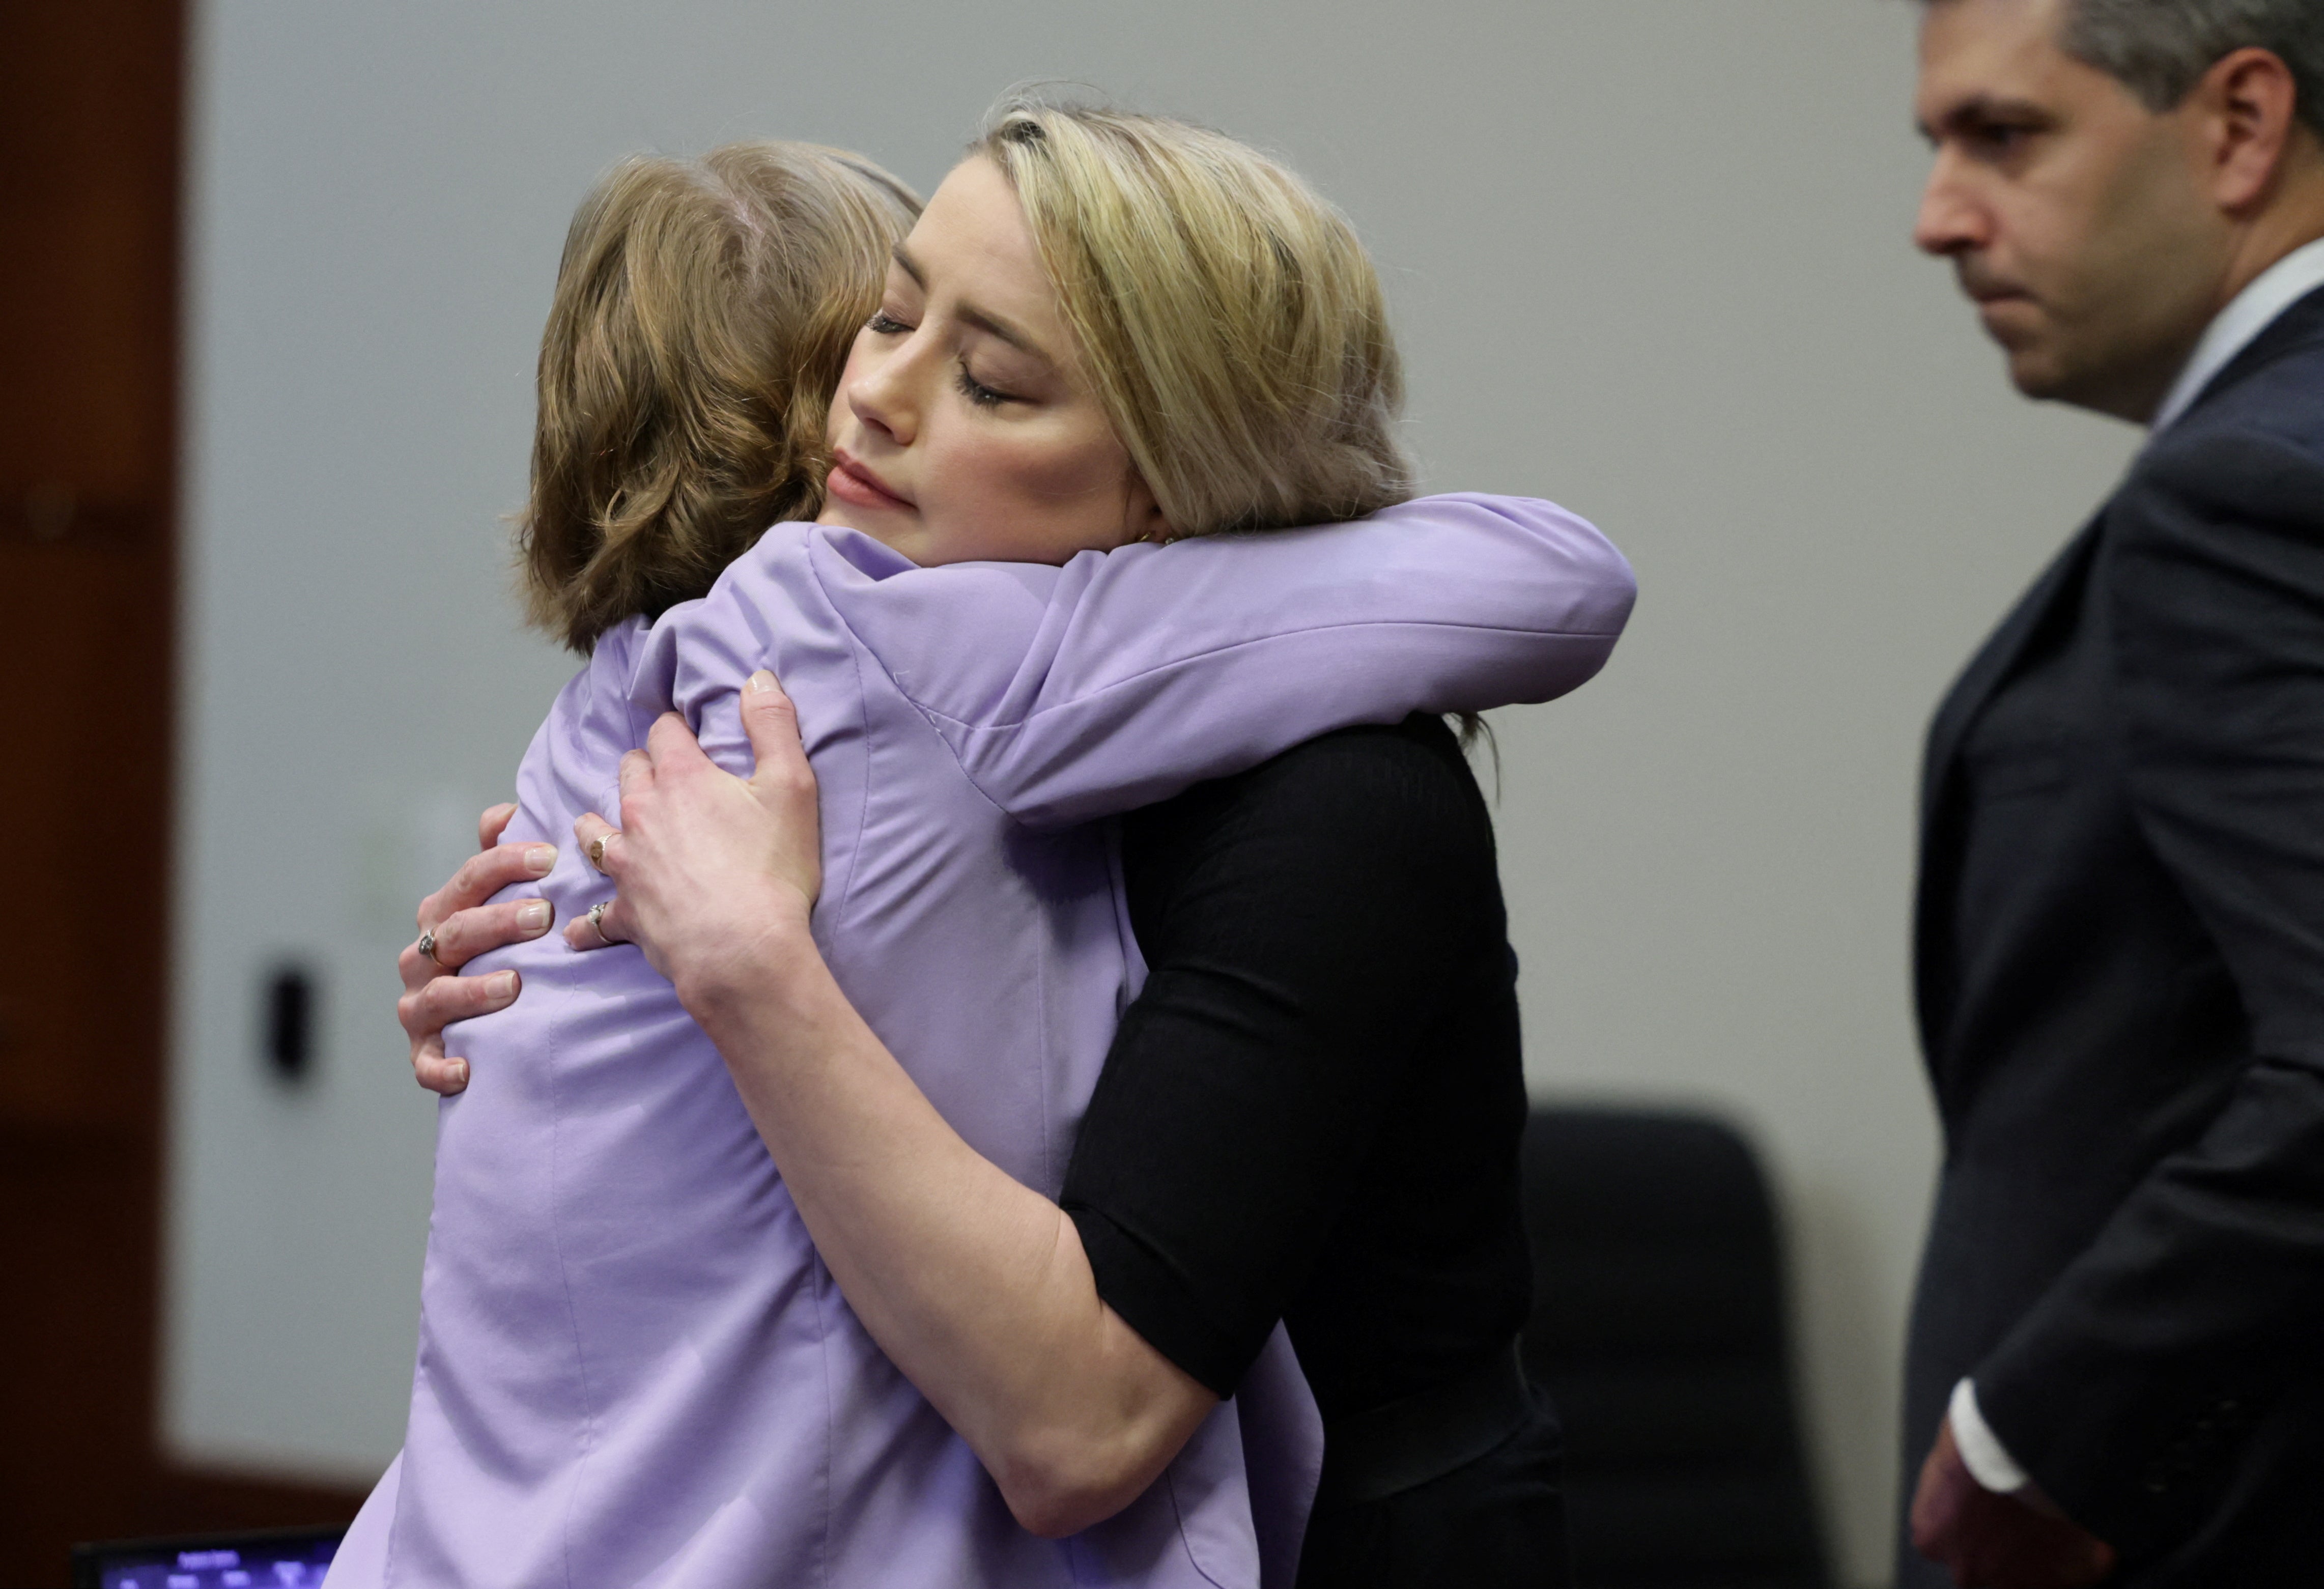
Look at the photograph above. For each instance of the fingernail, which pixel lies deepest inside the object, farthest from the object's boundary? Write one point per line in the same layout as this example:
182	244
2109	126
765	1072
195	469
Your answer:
540	858
460	1071
500	984
533	915
760	683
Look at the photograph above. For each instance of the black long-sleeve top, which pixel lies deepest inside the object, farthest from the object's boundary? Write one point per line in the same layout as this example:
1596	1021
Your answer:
1313	1111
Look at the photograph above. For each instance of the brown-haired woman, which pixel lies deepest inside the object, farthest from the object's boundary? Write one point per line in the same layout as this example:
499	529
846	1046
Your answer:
703	312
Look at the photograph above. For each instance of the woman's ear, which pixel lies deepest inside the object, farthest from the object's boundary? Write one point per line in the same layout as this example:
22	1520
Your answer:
1142	516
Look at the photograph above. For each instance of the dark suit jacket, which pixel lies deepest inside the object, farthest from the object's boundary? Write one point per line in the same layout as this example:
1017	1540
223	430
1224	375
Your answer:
2120	973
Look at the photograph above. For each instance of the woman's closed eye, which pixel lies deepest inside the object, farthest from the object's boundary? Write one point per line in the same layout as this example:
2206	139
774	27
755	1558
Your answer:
978	393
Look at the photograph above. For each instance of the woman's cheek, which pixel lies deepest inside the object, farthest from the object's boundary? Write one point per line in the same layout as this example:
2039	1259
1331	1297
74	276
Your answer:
982	500
1068	496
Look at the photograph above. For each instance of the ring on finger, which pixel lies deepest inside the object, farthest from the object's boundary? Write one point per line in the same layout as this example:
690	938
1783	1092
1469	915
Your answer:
597	919
597	848
428	946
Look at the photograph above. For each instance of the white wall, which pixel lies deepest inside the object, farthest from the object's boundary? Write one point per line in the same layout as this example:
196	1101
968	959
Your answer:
1649	257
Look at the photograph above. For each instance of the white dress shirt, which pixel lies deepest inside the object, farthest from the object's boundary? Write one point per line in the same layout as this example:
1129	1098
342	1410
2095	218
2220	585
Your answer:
2252	310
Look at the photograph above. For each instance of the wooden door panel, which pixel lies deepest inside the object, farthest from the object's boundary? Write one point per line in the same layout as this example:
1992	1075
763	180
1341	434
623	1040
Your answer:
85	649
89	115
88	196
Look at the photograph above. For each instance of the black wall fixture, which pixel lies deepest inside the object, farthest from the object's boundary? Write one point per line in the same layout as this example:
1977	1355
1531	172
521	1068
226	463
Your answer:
290	1023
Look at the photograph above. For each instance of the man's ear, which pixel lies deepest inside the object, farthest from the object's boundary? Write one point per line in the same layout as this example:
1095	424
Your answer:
2253	102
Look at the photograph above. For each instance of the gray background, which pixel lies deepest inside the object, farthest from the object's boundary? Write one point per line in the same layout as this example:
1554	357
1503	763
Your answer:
1648	257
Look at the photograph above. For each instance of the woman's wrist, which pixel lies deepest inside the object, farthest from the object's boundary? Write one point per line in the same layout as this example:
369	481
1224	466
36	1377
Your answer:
763	952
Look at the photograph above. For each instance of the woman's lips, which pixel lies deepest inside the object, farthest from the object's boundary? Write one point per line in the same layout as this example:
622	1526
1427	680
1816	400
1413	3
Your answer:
853	484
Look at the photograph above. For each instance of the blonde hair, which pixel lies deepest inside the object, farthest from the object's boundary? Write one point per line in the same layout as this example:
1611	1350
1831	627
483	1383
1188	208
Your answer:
703	314
1231	324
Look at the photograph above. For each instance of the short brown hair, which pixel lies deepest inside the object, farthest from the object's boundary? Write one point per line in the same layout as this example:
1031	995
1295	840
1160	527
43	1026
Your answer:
703	314
2160	48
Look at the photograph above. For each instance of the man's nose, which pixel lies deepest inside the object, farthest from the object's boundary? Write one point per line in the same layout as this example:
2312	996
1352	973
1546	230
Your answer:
1949	222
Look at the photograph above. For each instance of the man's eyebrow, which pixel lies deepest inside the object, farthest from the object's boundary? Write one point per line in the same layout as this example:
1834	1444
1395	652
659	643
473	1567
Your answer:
1985	110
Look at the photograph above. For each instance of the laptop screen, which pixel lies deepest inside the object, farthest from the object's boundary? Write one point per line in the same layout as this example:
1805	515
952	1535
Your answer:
277	1560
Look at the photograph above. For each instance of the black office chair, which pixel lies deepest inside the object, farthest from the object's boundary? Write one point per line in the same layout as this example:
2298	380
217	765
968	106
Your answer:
1658	1329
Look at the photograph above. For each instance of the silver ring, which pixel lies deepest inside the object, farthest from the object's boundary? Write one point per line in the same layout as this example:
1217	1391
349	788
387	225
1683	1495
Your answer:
597	919
427	947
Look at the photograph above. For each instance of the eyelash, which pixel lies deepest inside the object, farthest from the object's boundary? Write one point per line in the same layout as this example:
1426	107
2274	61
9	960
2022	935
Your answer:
883	324
977	391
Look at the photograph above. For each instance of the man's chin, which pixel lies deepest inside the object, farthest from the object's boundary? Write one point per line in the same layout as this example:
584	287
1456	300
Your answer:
2035	367
2034	376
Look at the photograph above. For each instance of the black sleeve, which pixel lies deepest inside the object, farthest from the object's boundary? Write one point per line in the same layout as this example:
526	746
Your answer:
1299	923
2174	1330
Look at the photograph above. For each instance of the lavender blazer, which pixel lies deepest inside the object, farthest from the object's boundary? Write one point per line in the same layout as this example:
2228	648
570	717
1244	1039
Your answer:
633	1368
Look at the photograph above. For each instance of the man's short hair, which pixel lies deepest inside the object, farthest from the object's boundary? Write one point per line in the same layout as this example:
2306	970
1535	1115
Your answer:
2160	48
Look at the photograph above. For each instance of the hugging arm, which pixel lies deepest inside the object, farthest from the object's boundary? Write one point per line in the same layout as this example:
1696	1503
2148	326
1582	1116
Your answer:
1069	1409
976	1286
1446	603
458	923
1153	668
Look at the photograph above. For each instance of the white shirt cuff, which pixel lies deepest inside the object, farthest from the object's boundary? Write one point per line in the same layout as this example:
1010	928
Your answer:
1981	1451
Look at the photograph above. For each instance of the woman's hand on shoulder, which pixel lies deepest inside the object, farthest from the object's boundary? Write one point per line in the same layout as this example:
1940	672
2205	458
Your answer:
456	925
715	875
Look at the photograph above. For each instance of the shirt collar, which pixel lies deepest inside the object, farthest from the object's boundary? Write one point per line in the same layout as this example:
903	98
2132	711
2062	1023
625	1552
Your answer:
2254	309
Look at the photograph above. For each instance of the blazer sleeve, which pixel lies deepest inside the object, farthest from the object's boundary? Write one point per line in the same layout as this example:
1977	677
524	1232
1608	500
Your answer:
1125	677
2127	1389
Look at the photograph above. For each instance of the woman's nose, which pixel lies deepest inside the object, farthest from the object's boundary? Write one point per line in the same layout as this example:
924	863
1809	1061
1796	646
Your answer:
885	398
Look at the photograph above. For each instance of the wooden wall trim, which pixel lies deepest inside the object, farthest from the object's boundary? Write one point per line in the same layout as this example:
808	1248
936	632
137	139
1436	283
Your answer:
92	96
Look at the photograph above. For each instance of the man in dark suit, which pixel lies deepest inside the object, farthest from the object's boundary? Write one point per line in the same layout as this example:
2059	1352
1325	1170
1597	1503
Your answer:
2117	1368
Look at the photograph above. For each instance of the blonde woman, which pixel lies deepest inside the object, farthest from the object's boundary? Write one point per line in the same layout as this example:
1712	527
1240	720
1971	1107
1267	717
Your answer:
1108	329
